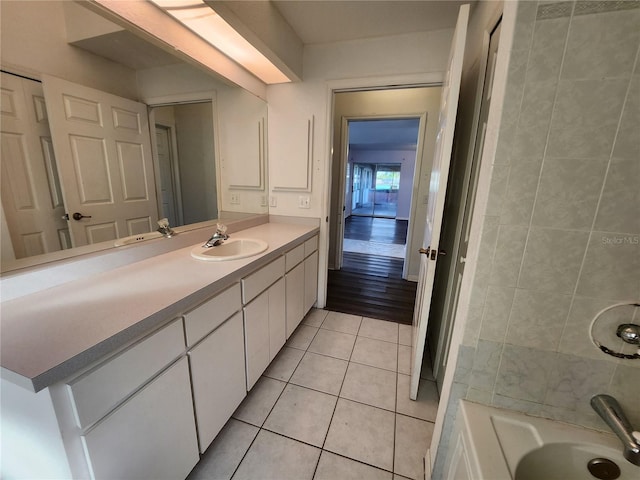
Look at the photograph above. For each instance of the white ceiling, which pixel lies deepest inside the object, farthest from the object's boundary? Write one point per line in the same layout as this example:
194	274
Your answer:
323	21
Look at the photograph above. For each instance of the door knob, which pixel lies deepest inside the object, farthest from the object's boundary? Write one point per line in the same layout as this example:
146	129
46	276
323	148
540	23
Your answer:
425	251
435	252
78	216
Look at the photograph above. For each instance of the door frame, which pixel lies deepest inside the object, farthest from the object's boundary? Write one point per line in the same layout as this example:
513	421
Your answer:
431	79
344	161
449	397
175	170
470	184
181	99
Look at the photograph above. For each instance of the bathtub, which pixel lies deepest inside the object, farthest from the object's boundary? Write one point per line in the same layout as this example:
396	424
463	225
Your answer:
493	444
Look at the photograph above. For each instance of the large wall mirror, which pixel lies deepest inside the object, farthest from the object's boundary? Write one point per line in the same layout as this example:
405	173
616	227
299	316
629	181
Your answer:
103	134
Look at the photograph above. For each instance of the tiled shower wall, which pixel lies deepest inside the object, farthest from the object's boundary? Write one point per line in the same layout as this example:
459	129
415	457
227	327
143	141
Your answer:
561	234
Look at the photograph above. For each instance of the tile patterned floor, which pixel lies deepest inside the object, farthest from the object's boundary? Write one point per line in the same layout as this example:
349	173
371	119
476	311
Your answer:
334	404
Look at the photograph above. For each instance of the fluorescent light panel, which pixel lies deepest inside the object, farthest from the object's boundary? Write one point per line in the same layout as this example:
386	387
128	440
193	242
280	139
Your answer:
201	19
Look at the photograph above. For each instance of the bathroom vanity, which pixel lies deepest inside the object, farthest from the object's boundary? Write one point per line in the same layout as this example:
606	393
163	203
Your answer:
132	372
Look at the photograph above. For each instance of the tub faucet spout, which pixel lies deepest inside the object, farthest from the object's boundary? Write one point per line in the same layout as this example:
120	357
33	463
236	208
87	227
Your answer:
611	412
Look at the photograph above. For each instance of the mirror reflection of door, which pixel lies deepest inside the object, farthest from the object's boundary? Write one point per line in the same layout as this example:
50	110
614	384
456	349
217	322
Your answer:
97	174
32	202
103	146
169	174
185	149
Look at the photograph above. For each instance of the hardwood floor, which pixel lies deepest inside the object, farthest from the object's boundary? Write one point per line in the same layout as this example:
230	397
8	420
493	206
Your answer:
372	285
382	230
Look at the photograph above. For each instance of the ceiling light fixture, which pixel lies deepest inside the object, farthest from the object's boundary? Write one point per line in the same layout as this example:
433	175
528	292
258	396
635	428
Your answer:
201	19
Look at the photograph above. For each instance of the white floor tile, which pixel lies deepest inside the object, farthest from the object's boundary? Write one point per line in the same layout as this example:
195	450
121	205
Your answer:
320	372
333	344
273	456
315	317
413	438
425	406
370	385
335	467
404	359
379	330
376	353
225	453
363	433
302	414
259	401
342	322
285	363
301	338
405	332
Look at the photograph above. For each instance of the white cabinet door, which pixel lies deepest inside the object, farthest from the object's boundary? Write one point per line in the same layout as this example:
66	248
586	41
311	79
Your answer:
310	281
264	330
256	337
218	378
295	297
277	318
152	435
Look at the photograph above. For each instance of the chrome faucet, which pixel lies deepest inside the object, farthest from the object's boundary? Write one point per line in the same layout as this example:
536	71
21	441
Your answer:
164	228
611	412
218	237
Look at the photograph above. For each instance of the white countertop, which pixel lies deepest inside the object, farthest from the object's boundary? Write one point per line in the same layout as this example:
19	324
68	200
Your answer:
49	335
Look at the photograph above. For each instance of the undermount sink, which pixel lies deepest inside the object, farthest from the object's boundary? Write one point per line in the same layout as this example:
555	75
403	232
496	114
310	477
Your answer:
230	249
568	461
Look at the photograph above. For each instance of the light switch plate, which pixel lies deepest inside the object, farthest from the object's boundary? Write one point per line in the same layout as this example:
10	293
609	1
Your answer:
304	201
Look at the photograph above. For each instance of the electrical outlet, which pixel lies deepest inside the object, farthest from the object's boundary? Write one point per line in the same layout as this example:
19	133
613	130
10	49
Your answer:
263	201
273	201
235	199
304	202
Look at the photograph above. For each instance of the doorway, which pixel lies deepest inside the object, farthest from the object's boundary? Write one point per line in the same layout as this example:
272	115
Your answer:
380	169
184	147
378	181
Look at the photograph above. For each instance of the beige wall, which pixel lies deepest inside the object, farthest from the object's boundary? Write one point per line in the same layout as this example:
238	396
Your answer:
33	40
194	132
405	59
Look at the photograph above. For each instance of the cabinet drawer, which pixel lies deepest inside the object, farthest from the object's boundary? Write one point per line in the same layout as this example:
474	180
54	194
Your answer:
310	246
259	281
294	257
96	392
208	316
151	435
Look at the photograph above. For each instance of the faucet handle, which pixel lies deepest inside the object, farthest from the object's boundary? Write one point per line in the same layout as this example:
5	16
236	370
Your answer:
221	228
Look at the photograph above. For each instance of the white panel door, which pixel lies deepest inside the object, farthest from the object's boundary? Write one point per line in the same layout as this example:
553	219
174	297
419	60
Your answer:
103	147
31	194
437	192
